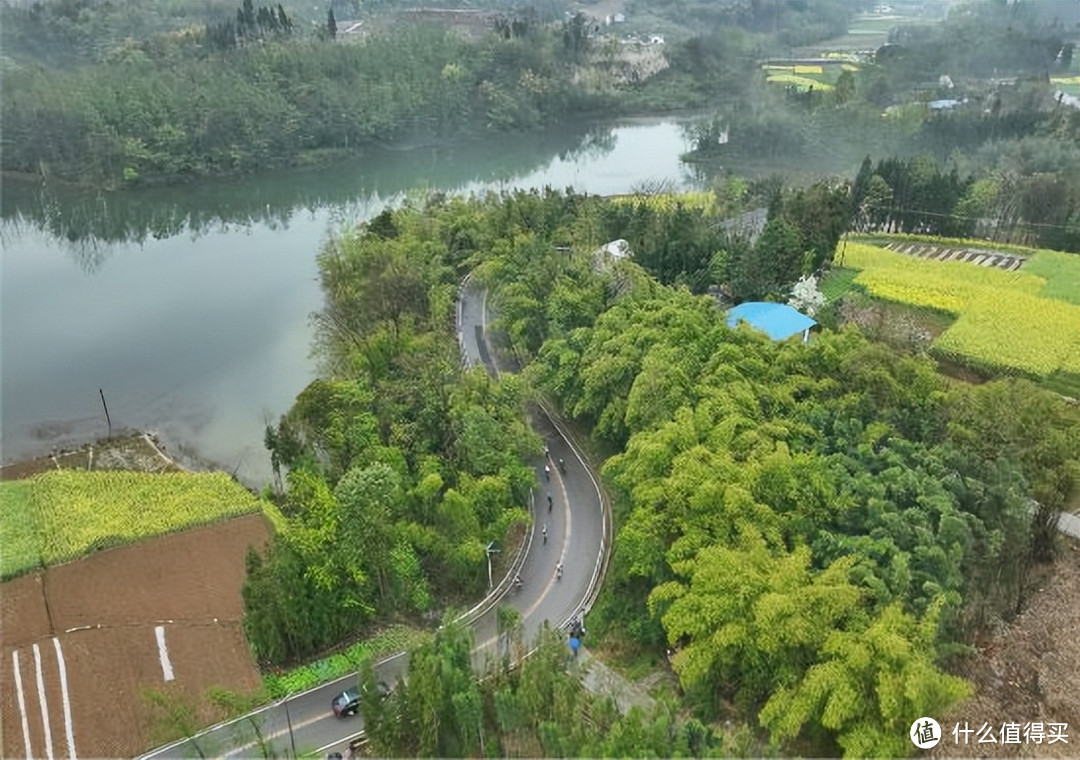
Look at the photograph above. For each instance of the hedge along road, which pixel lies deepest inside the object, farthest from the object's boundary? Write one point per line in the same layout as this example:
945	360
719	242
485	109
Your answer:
578	535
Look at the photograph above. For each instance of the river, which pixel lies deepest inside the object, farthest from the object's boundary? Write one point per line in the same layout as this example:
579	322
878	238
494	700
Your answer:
188	307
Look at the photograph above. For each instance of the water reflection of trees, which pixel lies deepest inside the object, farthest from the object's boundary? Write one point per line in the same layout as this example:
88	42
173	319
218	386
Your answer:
90	224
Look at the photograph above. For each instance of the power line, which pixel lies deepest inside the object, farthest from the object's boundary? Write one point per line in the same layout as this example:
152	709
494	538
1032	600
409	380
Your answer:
962	217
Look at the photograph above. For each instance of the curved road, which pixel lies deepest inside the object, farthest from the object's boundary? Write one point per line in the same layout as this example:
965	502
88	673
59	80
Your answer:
575	535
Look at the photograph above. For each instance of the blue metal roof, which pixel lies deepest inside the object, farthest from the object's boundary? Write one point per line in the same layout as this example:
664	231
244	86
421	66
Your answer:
778	321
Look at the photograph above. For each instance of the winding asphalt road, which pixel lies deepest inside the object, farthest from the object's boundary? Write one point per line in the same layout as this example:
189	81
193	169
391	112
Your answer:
576	536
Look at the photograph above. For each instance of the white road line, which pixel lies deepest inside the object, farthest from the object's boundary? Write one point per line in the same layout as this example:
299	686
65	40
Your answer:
243	751
163	653
43	703
566	542
349	739
68	727
22	702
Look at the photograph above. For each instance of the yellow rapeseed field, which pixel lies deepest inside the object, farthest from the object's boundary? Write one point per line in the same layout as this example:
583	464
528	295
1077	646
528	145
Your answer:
799	81
666	202
65	514
1002	321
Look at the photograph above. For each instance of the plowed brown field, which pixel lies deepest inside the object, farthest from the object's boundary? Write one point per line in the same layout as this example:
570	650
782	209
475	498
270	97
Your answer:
100	615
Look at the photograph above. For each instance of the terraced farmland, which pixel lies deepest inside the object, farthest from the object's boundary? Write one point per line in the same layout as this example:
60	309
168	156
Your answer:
983	258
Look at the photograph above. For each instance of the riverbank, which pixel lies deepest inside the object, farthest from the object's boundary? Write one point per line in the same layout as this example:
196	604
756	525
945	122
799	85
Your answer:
137	452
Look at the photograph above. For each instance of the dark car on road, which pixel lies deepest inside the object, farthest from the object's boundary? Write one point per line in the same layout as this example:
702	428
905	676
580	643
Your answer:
348	701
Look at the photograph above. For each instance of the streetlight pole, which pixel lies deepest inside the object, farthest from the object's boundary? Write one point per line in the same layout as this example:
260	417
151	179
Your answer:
491	549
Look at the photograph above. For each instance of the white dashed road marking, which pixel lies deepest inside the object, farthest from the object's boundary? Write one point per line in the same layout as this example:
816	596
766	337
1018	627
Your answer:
43	703
69	729
22	702
163	653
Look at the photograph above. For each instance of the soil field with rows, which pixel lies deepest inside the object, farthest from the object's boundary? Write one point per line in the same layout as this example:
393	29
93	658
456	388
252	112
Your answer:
83	640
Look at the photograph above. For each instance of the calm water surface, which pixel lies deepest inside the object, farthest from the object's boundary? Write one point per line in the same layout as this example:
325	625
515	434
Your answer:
189	307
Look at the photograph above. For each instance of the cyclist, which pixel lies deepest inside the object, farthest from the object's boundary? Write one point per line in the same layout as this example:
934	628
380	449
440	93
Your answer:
558	572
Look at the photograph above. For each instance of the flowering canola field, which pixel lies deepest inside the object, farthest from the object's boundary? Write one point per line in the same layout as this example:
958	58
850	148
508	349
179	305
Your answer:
1003	323
58	516
666	202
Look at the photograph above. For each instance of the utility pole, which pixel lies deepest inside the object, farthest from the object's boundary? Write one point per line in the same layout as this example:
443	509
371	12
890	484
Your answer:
288	719
106	411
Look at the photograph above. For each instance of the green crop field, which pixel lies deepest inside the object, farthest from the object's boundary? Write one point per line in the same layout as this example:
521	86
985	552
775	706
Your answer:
1061	272
59	516
1023	321
18	528
837	282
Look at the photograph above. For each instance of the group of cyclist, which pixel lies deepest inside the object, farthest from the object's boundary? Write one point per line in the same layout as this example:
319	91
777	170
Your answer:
551	503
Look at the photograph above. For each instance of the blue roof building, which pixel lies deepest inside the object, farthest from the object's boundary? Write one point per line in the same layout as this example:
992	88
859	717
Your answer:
778	321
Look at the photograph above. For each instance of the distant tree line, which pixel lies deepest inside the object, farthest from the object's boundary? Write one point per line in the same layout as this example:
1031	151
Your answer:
177	94
782	23
916	195
250	25
249	107
987	39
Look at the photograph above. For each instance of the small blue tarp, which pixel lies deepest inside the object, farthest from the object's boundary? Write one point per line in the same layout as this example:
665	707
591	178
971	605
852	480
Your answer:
778	321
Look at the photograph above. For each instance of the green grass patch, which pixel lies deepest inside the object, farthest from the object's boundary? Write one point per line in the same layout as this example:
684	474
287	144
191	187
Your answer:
1061	272
59	516
397	638
838	281
19	550
1065	383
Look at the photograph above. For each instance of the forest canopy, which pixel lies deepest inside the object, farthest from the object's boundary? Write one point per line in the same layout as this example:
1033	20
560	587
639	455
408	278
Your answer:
814	529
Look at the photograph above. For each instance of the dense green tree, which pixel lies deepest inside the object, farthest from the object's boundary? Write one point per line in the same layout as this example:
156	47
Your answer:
867	687
820	214
774	264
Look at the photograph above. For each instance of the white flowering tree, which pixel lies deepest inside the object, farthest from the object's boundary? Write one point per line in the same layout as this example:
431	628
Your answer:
805	296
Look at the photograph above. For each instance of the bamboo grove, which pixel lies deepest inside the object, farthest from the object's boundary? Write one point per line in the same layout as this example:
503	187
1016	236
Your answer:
815	529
